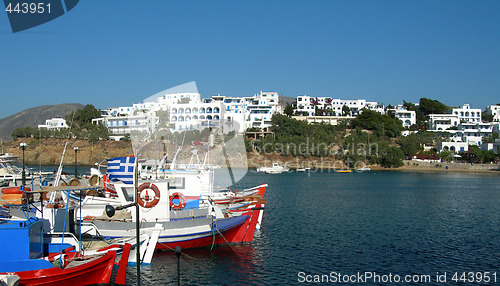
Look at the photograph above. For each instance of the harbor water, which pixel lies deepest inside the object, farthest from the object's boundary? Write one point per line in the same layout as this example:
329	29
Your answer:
411	228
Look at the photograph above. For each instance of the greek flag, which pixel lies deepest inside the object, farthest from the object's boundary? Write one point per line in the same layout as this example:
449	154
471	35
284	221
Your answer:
121	169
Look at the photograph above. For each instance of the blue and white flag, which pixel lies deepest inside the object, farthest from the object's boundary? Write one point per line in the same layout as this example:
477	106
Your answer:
121	169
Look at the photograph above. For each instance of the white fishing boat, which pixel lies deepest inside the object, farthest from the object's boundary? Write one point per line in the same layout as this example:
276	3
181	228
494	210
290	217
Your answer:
362	169
274	169
11	171
303	169
164	209
181	204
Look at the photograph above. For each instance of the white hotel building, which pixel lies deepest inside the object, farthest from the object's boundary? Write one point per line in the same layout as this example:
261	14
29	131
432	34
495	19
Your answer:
227	113
407	117
464	124
495	111
464	114
142	116
306	105
187	111
54	124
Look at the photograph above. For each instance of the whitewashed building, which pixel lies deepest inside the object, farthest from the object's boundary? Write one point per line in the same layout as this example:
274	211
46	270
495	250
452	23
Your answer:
195	116
466	114
54	124
495	111
495	147
473	133
227	113
119	126
407	117
452	146
308	106
438	122
260	108
148	115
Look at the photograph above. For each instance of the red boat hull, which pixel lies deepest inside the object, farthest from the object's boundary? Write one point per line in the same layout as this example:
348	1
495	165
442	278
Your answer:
260	190
93	272
237	235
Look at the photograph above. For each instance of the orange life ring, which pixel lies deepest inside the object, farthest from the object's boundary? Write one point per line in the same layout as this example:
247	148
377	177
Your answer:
148	201
182	201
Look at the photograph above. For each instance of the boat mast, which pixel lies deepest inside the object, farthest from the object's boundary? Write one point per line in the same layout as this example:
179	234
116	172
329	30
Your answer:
59	170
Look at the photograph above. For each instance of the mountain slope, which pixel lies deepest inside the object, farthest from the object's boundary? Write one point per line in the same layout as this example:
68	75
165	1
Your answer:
32	117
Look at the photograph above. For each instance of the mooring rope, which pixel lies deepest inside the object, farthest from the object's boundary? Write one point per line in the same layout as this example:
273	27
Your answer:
181	252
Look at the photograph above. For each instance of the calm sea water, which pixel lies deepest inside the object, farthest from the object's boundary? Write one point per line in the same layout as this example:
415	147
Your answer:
386	223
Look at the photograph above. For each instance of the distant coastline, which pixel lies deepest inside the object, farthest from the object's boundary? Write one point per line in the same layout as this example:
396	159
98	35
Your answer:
47	152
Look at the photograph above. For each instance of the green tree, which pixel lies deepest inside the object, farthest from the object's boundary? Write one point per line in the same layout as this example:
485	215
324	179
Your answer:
475	154
446	155
487	117
431	106
288	110
24	132
82	118
491	139
489	156
393	157
381	124
345	110
409	106
410	145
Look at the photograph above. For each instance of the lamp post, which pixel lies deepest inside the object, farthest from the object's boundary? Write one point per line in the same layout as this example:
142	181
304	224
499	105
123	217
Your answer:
76	171
23	147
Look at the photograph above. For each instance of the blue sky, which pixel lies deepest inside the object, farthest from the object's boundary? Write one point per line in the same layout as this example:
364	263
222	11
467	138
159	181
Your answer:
114	53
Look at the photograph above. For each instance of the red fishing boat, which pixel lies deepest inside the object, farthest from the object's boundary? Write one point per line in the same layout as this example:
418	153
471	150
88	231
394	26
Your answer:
27	259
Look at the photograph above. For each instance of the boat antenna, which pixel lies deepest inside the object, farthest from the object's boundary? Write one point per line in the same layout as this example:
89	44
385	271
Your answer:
137	226
228	164
59	170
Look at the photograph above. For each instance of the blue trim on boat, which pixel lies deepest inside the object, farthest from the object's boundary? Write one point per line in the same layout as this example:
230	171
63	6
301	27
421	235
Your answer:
223	226
233	208
24	265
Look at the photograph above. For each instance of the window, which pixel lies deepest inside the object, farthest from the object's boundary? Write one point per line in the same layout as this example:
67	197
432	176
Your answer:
176	183
128	193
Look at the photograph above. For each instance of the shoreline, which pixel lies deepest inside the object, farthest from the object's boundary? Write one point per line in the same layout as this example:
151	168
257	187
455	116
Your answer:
47	152
438	170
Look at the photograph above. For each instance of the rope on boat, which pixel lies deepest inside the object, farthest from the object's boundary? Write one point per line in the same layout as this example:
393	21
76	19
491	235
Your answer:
213	234
161	243
64	229
224	239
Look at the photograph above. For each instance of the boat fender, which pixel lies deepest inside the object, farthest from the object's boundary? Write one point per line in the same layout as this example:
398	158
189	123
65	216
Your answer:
147	201
94	180
55	205
14	191
182	201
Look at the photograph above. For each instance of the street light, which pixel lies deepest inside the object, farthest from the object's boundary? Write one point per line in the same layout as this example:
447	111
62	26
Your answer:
76	171
23	146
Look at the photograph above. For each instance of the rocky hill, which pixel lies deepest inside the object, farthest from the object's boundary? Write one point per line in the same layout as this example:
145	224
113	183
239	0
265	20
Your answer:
287	100
32	117
48	151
